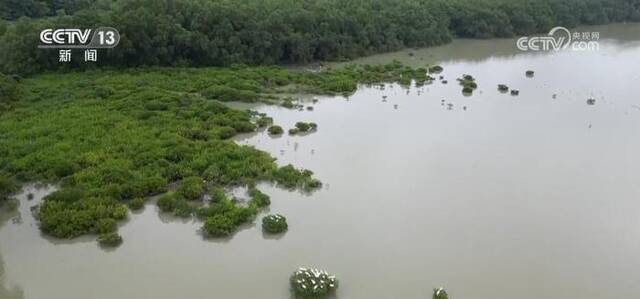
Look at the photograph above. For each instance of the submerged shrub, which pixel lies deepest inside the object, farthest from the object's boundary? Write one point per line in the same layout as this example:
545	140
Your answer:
8	186
294	131
258	198
167	202
515	92
191	188
106	225
218	226
529	73
312	283
110	239
302	126
435	69
503	88
440	293
275	130
274	223
136	203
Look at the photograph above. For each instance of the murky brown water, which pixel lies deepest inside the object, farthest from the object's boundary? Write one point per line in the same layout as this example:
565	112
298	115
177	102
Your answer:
522	197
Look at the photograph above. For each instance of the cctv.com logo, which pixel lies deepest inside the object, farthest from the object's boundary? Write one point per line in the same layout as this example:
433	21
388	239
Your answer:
102	37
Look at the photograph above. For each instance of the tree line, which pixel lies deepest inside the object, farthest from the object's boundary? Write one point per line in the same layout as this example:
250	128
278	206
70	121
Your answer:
226	32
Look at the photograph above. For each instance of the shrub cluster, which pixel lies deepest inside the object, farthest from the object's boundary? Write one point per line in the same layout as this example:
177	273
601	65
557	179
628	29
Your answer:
309	283
274	224
110	239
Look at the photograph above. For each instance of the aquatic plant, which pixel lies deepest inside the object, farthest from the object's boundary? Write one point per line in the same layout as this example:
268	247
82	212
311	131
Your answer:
218	226
312	283
106	225
191	188
503	87
258	198
435	69
136	203
167	202
264	121
591	101
274	223
8	186
275	130
515	92
468	83
529	73
302	126
110	239
294	131
288	103
440	293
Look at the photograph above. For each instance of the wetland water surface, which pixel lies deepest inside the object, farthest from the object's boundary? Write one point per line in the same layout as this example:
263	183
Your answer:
530	196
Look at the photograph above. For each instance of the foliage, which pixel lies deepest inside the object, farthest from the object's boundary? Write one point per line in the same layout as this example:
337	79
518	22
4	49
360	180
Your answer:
191	188
294	131
218	226
136	203
110	239
312	283
106	225
503	87
440	293
274	223
8	186
232	32
9	92
275	130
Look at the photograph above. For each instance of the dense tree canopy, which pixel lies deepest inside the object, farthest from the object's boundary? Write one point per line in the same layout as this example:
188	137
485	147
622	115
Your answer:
224	32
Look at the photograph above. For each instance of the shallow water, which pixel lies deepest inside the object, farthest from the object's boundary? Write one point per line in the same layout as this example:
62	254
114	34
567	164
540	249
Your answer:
515	197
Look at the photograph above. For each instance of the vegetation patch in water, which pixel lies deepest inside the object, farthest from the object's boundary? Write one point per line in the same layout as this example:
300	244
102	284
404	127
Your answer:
515	92
312	283
529	73
152	129
503	88
110	239
468	83
440	293
435	69
275	130
274	224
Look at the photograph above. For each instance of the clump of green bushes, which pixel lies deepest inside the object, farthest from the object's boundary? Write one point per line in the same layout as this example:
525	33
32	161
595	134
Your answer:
290	177
110	239
468	83
435	69
8	186
274	223
440	293
503	88
303	127
191	188
275	130
313	283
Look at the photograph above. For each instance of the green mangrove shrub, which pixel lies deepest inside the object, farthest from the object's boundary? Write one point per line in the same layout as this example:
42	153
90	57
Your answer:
529	73
312	283
191	188
110	239
275	130
274	224
435	69
294	131
440	293
503	88
106	225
